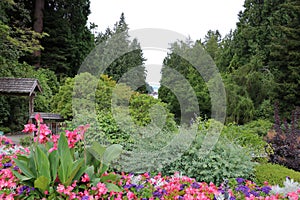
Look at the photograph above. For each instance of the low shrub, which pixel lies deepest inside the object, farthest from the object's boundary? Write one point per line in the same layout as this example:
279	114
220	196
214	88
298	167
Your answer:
284	140
274	173
248	136
26	141
226	160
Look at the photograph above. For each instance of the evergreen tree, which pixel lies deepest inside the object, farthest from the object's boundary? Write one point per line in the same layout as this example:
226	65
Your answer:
285	53
266	52
69	39
122	58
178	73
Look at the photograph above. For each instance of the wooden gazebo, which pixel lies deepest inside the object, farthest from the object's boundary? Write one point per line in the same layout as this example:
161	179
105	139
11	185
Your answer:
52	120
21	87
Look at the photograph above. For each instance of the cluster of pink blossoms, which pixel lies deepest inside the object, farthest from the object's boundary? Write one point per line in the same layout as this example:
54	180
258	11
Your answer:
43	134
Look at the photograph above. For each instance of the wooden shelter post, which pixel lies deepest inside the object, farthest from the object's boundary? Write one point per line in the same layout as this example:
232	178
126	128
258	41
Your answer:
31	106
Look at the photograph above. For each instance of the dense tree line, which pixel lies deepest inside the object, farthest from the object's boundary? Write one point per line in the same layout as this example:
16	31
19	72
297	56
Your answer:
258	61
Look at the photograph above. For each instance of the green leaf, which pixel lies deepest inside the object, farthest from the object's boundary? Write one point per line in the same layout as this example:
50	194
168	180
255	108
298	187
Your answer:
32	164
54	161
25	170
110	177
112	187
90	171
75	168
42	183
112	153
21	177
43	165
97	150
65	158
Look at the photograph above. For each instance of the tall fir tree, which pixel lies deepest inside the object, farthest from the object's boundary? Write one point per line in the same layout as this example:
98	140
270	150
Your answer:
70	40
266	52
122	58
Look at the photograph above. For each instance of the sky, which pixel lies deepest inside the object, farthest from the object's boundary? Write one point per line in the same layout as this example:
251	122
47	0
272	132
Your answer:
190	18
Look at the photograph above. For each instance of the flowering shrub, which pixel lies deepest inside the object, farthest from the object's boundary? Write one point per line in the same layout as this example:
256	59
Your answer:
93	185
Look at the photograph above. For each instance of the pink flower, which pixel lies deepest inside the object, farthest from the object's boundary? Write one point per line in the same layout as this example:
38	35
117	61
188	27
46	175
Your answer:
72	138
38	118
293	196
29	128
130	195
82	129
85	178
60	188
101	187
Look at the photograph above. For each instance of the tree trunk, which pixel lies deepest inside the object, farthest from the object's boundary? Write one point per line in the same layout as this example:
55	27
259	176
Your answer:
38	27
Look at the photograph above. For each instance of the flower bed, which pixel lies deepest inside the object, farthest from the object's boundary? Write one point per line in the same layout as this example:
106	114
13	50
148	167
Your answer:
52	180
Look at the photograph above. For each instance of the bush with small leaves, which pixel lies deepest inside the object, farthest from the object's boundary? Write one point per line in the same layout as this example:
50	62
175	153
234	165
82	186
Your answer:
274	174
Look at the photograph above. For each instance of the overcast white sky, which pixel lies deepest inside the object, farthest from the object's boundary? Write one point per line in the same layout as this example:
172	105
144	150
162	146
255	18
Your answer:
190	18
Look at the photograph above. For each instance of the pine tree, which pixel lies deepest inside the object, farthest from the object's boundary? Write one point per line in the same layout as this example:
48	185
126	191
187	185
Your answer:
285	53
69	40
122	58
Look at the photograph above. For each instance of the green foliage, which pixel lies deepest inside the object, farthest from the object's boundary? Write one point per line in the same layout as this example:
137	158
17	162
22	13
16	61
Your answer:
145	109
273	173
250	136
183	88
104	91
41	168
62	101
266	52
49	85
225	160
26	141
69	40
240	108
107	131
119	54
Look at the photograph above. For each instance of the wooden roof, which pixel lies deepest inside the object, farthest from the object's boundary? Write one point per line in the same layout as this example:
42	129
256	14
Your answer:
19	86
47	116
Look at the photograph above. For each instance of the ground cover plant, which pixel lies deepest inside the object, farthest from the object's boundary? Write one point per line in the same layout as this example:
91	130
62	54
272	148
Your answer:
62	167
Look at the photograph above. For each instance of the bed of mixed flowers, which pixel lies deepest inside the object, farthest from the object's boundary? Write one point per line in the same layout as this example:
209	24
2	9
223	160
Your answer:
93	184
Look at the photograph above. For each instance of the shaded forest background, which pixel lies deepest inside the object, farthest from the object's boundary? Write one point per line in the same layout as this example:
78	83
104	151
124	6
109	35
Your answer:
49	39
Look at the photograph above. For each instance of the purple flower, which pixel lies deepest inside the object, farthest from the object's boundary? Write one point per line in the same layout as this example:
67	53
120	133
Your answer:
139	187
195	185
244	189
16	168
266	189
6	142
128	186
239	180
85	198
182	186
7	165
157	194
255	193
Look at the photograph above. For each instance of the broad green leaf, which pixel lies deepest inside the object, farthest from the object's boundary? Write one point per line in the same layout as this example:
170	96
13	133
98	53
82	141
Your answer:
75	168
65	158
112	187
21	177
112	153
42	183
110	177
25	170
43	164
90	171
97	150
54	160
32	165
